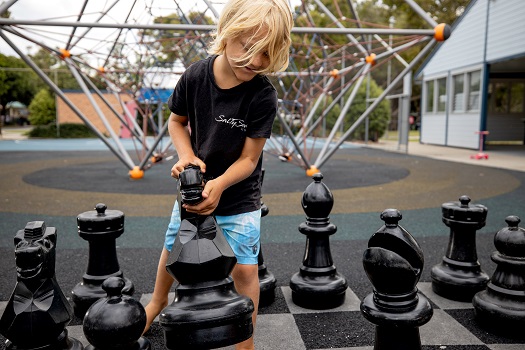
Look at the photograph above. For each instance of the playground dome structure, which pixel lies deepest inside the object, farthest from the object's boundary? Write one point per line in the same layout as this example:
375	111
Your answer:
136	50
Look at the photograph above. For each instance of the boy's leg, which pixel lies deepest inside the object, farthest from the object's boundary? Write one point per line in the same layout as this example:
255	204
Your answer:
164	280
243	232
163	283
246	281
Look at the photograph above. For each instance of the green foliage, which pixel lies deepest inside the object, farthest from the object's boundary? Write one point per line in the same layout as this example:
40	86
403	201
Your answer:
378	119
42	108
17	81
66	131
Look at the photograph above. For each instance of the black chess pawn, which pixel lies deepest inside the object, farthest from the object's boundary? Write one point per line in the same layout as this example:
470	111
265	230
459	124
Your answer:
207	311
267	281
318	285
502	304
393	262
459	275
115	322
38	312
101	228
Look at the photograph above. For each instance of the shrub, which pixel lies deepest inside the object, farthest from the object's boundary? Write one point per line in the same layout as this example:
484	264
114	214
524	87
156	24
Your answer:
42	110
66	131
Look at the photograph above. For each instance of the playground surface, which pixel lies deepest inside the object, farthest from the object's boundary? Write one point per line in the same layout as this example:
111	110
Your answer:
55	181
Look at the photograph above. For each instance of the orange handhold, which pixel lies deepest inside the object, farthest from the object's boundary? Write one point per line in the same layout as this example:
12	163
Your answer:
312	171
64	53
334	73
442	32
101	70
371	59
136	173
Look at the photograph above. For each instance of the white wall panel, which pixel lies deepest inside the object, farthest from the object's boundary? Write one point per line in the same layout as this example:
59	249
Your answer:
433	129
462	130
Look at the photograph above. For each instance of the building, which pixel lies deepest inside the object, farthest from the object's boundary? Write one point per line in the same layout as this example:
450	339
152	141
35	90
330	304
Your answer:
475	81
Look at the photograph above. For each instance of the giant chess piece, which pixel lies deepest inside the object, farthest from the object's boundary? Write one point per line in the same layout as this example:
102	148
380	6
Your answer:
502	304
207	311
100	227
115	322
38	312
267	281
318	285
393	262
459	275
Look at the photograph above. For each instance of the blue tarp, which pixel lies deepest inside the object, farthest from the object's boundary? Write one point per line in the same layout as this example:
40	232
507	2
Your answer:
154	95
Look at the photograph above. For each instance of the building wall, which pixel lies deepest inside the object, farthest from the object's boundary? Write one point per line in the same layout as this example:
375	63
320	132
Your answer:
81	101
506	29
491	32
461	130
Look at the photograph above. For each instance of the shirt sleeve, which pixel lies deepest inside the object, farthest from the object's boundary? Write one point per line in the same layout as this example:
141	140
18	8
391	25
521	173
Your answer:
262	114
177	103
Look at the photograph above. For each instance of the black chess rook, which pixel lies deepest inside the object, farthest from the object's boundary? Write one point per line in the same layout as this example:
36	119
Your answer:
459	275
502	304
318	285
38	312
100	228
393	262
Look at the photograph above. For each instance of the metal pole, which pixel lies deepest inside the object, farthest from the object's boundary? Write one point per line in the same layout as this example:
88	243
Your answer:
155	143
292	138
345	109
59	92
210	27
420	56
314	108
422	13
101	115
6	5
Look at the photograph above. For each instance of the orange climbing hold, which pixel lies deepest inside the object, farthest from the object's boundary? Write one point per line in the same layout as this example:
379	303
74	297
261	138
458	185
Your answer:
136	173
64	53
312	171
371	59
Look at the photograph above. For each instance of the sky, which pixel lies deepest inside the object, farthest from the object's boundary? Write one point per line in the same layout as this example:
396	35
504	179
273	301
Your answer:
68	10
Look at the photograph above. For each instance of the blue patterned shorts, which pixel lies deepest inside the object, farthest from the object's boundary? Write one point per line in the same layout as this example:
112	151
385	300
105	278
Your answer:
242	231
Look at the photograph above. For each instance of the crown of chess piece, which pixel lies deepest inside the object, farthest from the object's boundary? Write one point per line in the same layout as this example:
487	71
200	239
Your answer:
100	228
115	322
394	262
318	285
207	311
501	305
459	275
37	312
267	281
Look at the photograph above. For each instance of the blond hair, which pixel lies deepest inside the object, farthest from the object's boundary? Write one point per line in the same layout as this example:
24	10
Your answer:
249	17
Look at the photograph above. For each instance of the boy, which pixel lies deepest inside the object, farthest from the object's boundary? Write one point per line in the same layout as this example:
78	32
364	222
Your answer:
229	106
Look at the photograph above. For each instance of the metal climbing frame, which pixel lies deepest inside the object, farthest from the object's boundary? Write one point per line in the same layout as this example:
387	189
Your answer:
135	57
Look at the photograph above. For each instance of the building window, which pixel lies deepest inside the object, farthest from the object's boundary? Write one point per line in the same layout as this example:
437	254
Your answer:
458	104
474	90
430	96
517	94
442	95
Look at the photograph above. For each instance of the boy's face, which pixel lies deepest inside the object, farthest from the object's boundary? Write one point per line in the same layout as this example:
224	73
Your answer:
237	47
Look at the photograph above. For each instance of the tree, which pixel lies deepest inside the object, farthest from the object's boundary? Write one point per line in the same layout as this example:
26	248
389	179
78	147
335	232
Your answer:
17	82
42	108
378	118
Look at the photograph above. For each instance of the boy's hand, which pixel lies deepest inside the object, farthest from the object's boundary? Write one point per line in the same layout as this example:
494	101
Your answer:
212	194
183	163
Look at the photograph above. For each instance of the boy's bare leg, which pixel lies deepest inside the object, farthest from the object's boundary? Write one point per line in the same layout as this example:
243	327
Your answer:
246	281
163	283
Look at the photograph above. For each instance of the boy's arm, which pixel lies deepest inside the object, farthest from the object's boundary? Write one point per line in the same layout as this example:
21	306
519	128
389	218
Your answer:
238	171
180	136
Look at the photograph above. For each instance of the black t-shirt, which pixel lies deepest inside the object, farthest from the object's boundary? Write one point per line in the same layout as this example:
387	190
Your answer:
220	120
